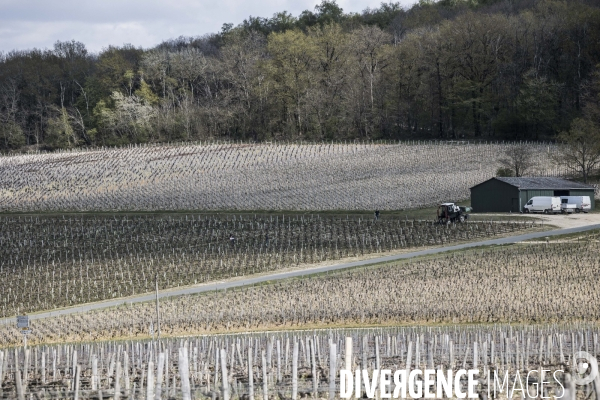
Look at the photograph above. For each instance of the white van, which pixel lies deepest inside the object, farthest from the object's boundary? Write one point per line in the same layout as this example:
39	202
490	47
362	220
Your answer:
583	203
545	204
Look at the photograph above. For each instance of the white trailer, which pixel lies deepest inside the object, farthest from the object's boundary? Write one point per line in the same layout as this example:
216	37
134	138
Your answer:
566	207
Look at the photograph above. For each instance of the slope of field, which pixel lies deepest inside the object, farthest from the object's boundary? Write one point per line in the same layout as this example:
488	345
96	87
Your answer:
253	176
298	364
48	262
529	283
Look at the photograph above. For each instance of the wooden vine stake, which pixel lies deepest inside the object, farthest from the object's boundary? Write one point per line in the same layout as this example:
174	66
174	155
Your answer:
117	381
150	382
77	373
224	374
332	369
313	367
95	377
159	376
250	375
348	360
264	376
20	393
295	371
184	374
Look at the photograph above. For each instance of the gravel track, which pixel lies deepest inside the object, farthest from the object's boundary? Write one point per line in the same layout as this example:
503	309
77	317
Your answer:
220	285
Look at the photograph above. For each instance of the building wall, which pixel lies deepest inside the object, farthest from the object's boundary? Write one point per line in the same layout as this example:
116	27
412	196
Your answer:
494	196
498	196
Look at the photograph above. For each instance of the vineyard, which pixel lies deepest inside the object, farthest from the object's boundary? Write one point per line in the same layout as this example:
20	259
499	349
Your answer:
254	176
525	283
48	262
287	338
296	364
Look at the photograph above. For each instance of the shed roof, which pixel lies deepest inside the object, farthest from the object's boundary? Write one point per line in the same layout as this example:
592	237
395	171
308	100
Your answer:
542	183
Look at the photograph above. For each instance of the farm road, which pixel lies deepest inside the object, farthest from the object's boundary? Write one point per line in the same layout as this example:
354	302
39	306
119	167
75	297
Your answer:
560	220
244	281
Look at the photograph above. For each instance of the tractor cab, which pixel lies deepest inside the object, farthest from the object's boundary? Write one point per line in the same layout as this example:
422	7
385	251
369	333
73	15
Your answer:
449	208
450	212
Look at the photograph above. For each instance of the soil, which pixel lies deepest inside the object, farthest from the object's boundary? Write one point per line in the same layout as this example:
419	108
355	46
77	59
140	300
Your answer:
563	220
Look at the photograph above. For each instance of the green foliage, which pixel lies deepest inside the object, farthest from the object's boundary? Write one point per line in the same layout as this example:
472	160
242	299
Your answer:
440	69
537	102
292	56
282	21
11	136
115	68
505	172
146	94
128	121
60	133
329	12
384	16
467	3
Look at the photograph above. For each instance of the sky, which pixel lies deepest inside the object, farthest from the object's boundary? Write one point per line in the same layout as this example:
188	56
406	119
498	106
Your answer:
25	24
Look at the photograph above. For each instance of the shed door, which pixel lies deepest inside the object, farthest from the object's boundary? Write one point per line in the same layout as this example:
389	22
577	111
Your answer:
515	205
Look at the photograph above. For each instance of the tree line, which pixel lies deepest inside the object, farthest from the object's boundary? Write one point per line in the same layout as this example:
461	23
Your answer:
501	69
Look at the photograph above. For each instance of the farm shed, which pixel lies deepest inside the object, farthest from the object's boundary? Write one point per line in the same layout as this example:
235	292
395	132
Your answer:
511	194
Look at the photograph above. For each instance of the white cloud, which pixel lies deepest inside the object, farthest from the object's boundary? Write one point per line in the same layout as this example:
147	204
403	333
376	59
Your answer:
98	23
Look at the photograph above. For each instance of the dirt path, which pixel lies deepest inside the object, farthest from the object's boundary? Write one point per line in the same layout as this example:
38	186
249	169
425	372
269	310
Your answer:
562	220
279	275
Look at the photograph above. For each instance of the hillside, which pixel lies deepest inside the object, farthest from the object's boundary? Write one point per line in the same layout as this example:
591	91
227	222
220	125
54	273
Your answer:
254	176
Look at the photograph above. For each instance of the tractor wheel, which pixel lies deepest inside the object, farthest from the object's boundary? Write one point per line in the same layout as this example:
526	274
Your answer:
527	211
461	218
577	210
546	212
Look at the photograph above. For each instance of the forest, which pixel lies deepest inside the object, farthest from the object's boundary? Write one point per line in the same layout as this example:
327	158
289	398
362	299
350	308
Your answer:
451	69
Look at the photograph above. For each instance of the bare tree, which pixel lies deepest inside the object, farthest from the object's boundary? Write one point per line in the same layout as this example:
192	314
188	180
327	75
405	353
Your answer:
518	159
581	150
372	52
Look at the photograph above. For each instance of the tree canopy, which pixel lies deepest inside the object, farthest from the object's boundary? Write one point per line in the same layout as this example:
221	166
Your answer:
449	69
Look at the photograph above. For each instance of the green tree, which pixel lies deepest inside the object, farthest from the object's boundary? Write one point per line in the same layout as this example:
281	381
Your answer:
146	94
127	121
505	172
325	13
290	68
372	52
11	135
479	49
282	21
537	102
60	133
326	99
329	12
115	71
